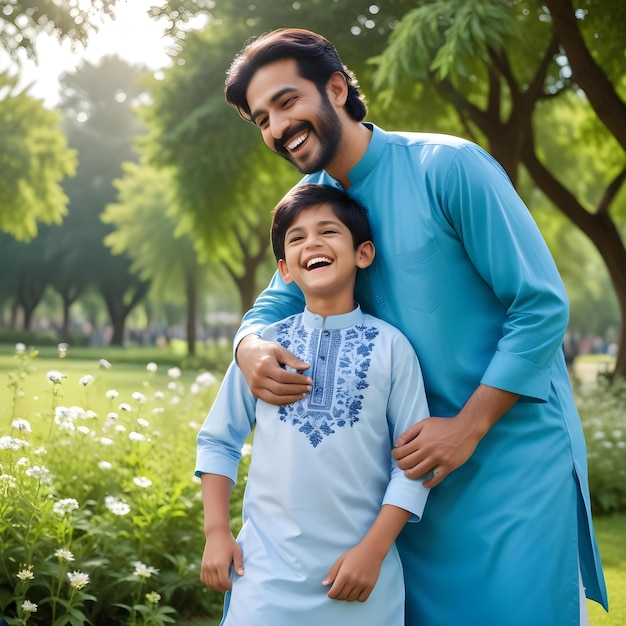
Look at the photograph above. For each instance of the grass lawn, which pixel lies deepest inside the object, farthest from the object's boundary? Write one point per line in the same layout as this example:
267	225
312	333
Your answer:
611	533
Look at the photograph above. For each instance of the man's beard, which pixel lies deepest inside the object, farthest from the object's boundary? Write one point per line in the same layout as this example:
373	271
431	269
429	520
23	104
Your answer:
329	132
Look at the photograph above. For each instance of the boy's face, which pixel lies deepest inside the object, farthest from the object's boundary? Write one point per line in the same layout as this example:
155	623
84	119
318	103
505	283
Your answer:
296	121
320	258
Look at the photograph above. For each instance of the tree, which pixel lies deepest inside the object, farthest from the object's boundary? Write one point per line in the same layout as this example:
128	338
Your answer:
226	182
98	104
146	231
34	159
502	67
22	20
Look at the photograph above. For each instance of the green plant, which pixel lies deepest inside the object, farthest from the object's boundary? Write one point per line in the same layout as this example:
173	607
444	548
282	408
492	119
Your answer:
100	517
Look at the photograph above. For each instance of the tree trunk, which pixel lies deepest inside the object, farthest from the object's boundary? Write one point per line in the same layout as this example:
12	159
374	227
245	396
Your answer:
191	290
599	90
600	229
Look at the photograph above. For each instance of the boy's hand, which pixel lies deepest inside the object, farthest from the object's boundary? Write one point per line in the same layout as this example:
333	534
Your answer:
353	575
260	361
220	551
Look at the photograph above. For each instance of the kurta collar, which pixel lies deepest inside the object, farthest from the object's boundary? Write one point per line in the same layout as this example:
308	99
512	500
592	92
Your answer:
371	156
332	322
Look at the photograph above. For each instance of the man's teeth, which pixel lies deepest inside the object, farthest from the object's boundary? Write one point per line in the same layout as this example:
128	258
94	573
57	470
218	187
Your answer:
318	261
297	141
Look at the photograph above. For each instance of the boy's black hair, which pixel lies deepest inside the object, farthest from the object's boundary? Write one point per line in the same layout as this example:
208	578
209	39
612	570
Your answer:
316	58
302	197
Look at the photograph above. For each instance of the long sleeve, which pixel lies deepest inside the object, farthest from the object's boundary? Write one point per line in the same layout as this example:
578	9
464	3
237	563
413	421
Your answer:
226	427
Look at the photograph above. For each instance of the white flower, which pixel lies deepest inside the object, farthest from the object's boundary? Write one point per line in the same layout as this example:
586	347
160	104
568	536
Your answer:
157	410
64	555
39	472
86	380
84	430
152	367
153	597
143	571
21	424
26	574
174	372
7	481
103	364
55	377
115	506
246	450
133	436
125	407
105	465
23	461
142	481
78	579
64	418
65	506
29	607
63	348
143	422
20	348
12	443
159	395
105	441
172	386
139	397
111	394
206	379
112	415
120	428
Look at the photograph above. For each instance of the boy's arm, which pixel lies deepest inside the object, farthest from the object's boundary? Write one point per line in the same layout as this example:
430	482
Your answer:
220	549
354	573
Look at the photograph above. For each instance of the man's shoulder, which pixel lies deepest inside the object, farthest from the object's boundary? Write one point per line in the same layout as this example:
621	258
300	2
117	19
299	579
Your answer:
409	138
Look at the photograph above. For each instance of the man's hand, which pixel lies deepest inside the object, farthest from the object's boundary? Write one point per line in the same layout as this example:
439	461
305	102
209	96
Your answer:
437	444
441	444
260	361
220	551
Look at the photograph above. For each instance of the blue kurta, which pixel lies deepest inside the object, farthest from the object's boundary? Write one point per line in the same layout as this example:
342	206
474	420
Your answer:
463	271
321	469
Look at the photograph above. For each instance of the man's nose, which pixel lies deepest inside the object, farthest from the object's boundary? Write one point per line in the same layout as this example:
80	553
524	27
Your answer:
279	124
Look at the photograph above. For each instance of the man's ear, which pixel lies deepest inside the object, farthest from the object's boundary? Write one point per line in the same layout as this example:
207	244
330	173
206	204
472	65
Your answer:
365	254
337	88
284	272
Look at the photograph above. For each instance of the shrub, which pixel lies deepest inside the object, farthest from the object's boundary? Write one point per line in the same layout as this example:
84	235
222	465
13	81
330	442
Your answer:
100	516
603	413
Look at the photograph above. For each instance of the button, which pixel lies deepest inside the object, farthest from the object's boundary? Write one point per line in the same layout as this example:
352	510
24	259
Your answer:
322	358
326	333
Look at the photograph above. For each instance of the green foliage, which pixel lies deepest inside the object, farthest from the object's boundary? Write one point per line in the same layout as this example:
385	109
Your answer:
22	20
602	412
100	519
34	159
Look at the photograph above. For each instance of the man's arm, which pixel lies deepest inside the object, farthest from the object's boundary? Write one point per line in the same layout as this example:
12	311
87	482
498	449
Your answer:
354	574
441	444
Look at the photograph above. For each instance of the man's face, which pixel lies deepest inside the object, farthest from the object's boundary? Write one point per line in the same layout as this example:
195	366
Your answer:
296	121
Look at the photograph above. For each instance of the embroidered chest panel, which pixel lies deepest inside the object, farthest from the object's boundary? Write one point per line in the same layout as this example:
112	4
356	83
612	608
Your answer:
340	360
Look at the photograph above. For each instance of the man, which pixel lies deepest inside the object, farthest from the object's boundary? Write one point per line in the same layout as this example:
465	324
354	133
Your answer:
507	537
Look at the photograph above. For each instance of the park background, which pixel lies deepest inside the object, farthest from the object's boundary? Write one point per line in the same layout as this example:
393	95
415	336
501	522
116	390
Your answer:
134	217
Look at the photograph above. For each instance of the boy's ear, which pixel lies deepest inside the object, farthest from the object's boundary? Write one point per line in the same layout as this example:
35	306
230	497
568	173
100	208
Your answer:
284	272
365	254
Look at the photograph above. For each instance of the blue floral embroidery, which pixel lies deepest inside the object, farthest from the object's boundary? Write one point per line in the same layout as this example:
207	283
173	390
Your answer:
340	362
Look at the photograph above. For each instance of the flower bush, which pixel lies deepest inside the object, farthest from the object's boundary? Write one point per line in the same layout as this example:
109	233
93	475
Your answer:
603	412
100	516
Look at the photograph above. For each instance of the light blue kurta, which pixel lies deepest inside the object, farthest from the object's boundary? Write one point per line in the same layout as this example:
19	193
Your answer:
463	271
321	469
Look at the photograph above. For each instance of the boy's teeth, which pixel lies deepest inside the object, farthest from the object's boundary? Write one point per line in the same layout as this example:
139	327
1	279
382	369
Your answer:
317	260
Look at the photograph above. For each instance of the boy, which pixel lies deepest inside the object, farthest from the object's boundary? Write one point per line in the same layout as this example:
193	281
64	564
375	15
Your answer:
324	501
